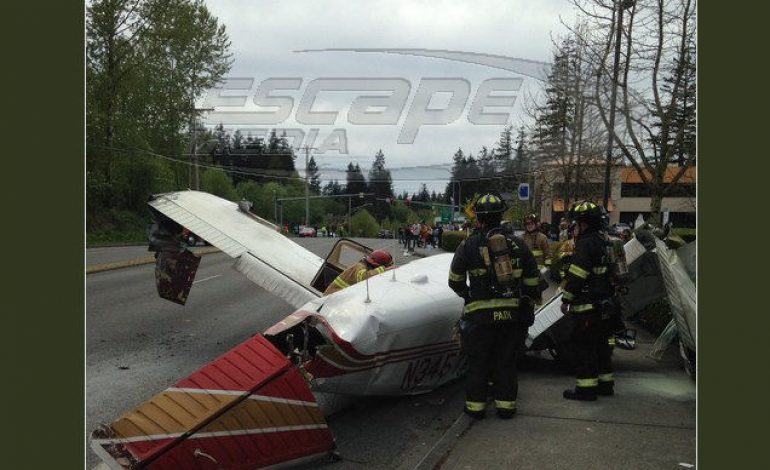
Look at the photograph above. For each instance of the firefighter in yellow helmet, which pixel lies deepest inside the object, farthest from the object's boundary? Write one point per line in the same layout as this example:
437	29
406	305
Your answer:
588	289
496	274
536	241
377	262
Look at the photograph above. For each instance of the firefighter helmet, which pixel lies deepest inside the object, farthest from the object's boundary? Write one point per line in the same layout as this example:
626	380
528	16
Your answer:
379	258
489	204
587	212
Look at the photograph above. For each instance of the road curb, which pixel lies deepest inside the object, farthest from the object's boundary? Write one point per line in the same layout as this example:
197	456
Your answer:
436	457
97	268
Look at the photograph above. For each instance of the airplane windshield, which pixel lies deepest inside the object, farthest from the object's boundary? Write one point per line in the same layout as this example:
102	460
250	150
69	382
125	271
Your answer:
344	253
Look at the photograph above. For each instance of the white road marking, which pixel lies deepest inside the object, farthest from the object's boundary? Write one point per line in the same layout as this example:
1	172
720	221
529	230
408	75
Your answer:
206	278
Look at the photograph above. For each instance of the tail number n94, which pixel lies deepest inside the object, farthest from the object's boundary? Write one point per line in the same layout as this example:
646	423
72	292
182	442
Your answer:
428	370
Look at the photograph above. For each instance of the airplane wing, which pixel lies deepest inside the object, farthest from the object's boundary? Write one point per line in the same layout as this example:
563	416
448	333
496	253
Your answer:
263	255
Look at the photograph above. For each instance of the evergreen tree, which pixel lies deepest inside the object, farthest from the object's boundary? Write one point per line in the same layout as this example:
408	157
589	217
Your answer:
314	181
381	185
355	182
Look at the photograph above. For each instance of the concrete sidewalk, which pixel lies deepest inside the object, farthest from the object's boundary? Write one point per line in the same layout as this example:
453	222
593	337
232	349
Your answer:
648	424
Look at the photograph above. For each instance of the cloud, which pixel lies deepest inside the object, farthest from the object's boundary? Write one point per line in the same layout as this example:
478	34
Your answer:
265	34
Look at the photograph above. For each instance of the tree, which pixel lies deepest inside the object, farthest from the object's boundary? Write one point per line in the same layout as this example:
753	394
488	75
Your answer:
655	84
314	181
355	182
363	224
381	185
147	61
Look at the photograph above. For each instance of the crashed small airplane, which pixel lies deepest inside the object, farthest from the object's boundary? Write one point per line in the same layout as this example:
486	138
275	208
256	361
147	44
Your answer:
263	402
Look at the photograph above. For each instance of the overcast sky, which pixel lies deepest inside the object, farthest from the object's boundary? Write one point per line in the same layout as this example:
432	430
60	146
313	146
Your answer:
265	36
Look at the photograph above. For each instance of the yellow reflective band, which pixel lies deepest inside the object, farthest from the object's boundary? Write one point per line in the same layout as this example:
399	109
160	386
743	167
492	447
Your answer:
453	276
360	275
611	341
531	281
600	270
341	283
505	405
537	253
566	295
578	271
478	272
588	382
380	269
517	273
548	262
581	308
491	303
606	377
475	405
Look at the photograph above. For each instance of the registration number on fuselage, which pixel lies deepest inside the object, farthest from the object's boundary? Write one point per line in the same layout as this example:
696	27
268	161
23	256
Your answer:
430	369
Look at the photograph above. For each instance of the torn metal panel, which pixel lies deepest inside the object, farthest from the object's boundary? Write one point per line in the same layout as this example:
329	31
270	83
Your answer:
268	254
680	290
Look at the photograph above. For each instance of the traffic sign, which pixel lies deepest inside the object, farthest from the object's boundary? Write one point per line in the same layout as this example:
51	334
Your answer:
524	191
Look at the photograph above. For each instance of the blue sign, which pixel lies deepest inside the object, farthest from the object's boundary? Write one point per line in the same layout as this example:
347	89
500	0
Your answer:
524	191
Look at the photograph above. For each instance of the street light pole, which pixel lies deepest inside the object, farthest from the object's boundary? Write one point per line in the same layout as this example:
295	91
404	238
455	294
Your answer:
307	184
613	100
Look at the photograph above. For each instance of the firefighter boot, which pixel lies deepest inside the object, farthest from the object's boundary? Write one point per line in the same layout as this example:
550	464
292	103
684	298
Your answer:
606	389
476	410
581	393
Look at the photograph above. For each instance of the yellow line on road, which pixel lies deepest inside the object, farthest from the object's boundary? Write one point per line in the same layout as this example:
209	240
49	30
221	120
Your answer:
97	268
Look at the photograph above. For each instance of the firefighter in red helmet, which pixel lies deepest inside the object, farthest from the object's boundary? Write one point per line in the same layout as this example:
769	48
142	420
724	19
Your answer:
376	262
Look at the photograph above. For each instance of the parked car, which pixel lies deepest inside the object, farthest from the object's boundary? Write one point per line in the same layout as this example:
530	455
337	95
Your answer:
306	231
384	233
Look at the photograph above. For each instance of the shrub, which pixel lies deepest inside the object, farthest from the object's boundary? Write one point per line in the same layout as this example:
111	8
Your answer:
364	225
219	184
451	239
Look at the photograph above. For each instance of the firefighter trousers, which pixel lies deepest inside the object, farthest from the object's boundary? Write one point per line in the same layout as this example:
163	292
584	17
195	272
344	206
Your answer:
492	350
593	355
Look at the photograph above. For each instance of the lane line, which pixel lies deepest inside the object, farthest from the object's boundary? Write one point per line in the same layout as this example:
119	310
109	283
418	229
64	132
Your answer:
206	278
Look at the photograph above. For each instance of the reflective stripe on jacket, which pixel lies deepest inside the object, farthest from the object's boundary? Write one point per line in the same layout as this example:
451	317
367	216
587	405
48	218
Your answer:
352	275
587	281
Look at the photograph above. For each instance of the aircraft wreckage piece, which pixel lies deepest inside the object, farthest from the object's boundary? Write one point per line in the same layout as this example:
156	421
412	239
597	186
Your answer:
250	408
390	335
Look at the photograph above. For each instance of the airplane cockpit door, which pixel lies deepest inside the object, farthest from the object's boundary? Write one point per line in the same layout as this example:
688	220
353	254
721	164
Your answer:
345	253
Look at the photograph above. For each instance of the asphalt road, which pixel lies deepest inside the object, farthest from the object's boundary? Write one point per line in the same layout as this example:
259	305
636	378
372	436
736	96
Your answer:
137	344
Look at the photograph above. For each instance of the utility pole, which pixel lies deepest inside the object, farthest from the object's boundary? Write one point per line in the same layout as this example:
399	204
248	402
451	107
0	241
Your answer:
621	5
307	183
194	145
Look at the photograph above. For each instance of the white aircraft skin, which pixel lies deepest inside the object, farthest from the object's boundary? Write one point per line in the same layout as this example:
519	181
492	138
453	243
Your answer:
398	342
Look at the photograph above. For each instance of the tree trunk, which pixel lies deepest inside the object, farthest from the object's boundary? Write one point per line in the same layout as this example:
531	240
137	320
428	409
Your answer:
656	200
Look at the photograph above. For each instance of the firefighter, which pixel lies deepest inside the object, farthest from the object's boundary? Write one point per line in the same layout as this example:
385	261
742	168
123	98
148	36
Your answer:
499	298
586	300
377	262
566	250
537	241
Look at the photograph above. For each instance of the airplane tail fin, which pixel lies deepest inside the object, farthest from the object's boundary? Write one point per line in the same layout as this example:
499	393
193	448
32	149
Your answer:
250	408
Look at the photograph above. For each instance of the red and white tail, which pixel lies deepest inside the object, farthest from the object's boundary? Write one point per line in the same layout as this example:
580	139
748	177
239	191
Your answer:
250	408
